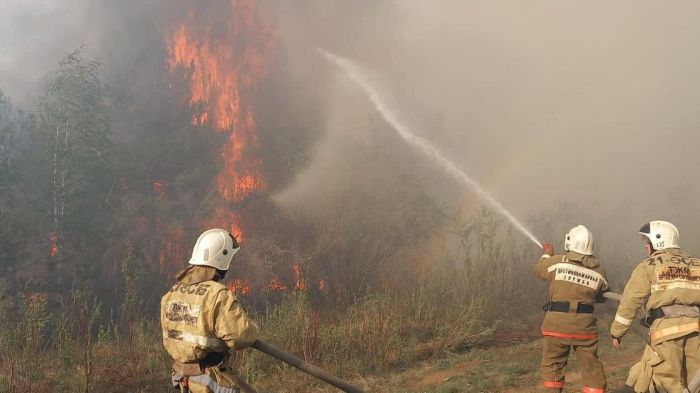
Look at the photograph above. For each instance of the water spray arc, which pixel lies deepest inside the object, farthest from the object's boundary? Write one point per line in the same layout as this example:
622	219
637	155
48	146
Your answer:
355	73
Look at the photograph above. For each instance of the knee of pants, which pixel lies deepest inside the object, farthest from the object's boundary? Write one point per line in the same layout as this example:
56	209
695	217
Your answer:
592	370
553	372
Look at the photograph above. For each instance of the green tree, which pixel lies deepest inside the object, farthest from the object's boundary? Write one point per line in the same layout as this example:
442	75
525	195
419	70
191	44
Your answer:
10	245
74	157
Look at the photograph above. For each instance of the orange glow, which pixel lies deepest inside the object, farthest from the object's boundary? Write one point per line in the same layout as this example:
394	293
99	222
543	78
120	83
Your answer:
322	286
224	63
277	285
225	219
299	282
225	67
239	286
54	244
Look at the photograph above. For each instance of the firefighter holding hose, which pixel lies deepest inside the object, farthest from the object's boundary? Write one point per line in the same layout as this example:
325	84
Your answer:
576	282
202	320
667	285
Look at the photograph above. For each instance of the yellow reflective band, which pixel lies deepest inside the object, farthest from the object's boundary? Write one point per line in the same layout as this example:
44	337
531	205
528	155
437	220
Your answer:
622	320
202	341
545	256
687	328
675	285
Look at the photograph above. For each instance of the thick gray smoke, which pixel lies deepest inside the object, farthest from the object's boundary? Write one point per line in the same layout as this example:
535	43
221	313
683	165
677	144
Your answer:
590	103
33	36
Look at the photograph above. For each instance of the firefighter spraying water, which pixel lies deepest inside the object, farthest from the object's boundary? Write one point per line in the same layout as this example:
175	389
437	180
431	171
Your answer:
576	279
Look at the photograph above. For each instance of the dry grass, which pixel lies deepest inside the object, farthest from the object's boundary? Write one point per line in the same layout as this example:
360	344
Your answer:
446	317
76	347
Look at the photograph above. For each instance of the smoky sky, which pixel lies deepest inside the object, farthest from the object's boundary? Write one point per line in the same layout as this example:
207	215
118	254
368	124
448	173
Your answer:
542	101
591	102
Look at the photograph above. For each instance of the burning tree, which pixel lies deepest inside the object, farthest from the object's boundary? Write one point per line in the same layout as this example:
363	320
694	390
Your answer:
225	66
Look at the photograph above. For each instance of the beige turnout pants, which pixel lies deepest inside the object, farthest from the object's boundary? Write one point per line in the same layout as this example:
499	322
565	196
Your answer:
681	362
555	356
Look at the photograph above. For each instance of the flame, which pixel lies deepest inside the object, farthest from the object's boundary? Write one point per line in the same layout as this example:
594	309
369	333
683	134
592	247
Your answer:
323	286
224	55
239	286
225	66
277	285
225	219
54	244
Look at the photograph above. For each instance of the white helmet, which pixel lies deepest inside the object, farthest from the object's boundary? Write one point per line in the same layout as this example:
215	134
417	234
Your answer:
215	248
661	234
579	239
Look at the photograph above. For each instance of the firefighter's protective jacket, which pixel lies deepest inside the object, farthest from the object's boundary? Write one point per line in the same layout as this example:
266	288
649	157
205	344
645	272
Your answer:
200	316
572	278
668	277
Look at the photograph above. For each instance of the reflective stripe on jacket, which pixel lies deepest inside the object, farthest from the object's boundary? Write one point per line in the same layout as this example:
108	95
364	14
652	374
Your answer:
199	317
667	277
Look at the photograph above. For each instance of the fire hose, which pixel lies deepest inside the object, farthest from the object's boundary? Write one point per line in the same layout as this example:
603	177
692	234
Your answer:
306	367
269	349
612	296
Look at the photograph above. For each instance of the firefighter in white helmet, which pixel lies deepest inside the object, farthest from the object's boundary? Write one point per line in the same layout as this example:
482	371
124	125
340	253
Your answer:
576	282
667	286
202	320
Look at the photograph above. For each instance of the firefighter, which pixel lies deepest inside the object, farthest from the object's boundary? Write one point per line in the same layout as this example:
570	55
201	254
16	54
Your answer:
667	285
202	320
576	282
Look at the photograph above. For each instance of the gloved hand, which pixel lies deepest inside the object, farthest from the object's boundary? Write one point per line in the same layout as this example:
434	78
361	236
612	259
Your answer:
548	248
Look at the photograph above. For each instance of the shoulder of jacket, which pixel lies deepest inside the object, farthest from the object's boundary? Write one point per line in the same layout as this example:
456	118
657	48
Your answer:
591	262
558	258
215	287
221	293
651	260
551	261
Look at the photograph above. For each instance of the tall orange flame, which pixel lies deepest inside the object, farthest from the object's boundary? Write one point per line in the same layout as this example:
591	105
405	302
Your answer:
225	69
224	63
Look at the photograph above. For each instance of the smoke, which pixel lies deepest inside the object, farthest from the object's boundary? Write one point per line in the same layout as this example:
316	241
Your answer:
355	74
591	103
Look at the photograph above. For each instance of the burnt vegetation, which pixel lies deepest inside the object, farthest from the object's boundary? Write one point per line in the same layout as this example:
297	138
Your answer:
100	207
105	185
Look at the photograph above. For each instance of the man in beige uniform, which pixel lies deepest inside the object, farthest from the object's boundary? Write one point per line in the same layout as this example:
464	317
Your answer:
202	320
667	284
576	282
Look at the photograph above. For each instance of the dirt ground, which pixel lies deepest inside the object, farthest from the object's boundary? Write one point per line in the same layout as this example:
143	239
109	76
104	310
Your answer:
508	364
